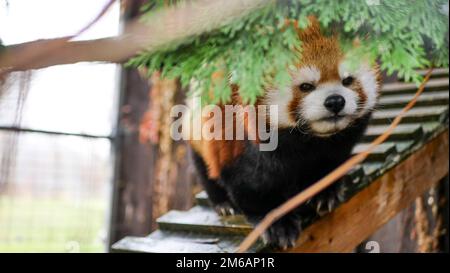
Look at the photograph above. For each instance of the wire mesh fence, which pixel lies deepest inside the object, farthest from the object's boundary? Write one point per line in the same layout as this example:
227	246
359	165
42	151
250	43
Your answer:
54	197
56	162
56	159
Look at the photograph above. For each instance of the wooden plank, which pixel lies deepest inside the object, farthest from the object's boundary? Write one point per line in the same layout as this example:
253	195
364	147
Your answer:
405	88
427	99
400	146
371	168
437	72
180	242
417	114
203	219
402	132
352	222
403	146
148	245
431	127
415	229
381	152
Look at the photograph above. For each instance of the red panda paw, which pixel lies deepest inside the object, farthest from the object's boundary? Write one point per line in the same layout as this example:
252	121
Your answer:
225	209
283	234
326	201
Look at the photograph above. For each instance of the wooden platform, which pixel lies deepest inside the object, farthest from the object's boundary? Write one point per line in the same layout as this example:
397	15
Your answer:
413	159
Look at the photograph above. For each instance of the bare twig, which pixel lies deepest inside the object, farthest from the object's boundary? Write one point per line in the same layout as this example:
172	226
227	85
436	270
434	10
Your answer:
332	177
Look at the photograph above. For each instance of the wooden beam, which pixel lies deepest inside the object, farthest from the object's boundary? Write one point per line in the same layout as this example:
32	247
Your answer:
138	194
354	221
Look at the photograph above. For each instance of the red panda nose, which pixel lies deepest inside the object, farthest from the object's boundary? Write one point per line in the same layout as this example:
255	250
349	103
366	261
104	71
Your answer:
334	103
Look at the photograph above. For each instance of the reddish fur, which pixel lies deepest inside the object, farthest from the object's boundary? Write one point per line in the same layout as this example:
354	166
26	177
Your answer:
317	50
293	105
218	153
321	52
357	86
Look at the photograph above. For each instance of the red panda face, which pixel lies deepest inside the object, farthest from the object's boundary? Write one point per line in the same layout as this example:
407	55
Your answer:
330	104
327	92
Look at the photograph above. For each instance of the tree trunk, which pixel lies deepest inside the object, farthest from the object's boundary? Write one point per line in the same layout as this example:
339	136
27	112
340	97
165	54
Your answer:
153	173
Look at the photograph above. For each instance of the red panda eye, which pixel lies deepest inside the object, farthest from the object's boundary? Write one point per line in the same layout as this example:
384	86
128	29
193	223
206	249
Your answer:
348	81
307	87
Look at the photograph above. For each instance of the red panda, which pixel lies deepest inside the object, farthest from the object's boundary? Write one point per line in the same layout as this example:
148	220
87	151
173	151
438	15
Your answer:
320	116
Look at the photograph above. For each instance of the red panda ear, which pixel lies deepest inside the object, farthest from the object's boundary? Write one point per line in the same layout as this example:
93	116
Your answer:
312	31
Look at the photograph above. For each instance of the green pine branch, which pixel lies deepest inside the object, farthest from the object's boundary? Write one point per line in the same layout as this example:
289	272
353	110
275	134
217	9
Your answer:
403	35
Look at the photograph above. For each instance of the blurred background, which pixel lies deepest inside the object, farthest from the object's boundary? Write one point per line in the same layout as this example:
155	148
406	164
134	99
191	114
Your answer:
56	151
85	152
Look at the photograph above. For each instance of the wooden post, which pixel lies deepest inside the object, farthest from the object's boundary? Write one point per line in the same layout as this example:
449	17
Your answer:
140	194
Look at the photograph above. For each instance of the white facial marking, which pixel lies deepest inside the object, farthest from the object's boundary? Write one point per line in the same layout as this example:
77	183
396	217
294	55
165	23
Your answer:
326	128
366	76
369	83
281	98
309	74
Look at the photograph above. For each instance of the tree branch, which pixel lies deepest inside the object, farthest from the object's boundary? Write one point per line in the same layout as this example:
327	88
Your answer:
161	28
30	54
